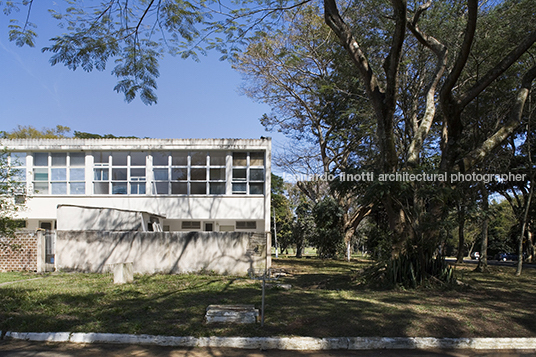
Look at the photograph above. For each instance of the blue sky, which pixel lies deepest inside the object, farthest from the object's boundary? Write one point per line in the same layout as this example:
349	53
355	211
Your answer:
195	100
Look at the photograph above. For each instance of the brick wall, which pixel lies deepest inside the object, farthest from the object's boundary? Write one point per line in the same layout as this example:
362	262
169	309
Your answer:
19	253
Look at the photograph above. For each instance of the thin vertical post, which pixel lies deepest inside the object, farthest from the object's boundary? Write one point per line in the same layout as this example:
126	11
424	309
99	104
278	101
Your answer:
275	237
262	303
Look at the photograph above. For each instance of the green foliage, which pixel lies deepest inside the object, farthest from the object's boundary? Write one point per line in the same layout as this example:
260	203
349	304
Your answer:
502	229
30	132
328	238
84	135
379	240
412	271
303	229
283	214
12	195
135	34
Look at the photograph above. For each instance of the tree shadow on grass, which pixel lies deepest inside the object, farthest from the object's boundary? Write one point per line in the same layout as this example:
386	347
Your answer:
319	304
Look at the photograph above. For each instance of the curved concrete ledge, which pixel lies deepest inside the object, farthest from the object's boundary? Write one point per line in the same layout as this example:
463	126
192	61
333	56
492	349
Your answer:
284	343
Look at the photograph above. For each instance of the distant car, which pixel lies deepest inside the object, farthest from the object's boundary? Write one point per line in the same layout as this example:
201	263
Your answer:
475	255
506	256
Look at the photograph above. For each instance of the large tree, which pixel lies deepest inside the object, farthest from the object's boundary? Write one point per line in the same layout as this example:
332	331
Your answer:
316	102
444	95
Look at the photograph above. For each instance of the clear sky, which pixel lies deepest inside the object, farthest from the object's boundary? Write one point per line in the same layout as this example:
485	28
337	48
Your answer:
195	100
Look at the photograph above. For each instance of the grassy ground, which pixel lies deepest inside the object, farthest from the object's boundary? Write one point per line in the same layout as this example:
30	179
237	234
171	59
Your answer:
325	300
15	276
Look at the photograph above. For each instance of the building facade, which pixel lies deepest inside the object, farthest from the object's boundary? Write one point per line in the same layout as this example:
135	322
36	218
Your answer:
215	185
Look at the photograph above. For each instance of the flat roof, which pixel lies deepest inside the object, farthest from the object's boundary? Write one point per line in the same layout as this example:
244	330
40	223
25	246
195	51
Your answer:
137	144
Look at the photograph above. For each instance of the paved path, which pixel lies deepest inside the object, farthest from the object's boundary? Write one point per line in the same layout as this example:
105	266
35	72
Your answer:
11	348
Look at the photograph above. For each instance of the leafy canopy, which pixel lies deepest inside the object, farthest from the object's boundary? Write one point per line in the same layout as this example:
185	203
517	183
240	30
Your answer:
135	34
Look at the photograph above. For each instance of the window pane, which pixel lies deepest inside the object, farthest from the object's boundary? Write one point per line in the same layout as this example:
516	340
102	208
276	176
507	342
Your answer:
239	188
58	175
18	159
191	225
162	188
41	188
137	158
198	158
101	157
101	188
119	158
59	159
217	174
78	158
119	188
198	174
59	188
246	224
41	174
239	174
198	188
40	159
137	188
119	174
137	172
78	188
256	188
77	174
240	159
179	188
256	175
101	174
179	158
160	158
256	159
179	173
160	174
217	158
217	188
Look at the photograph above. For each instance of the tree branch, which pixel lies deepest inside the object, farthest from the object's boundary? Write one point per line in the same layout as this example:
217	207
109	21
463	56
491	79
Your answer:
504	132
499	69
440	51
463	55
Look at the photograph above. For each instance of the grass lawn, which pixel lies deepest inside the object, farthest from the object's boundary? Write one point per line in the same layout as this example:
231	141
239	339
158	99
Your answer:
326	300
15	276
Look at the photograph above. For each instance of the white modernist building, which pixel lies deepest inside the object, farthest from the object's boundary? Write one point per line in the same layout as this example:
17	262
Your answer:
173	184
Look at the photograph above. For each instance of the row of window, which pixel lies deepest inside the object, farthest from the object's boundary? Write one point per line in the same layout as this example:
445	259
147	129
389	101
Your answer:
208	226
173	172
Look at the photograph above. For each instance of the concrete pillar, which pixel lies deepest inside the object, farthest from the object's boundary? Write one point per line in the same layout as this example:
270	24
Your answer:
123	273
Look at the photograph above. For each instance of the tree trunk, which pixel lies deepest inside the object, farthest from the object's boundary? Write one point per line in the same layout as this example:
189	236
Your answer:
523	228
483	262
299	248
530	247
461	233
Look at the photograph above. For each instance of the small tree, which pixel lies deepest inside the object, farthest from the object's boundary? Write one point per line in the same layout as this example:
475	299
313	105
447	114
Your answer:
282	214
12	194
328	237
304	226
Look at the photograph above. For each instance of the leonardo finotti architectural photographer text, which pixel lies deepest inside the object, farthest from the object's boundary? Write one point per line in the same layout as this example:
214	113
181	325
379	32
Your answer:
409	177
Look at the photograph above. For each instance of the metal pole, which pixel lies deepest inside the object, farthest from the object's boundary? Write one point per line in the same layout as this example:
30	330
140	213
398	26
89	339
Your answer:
262	304
275	237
